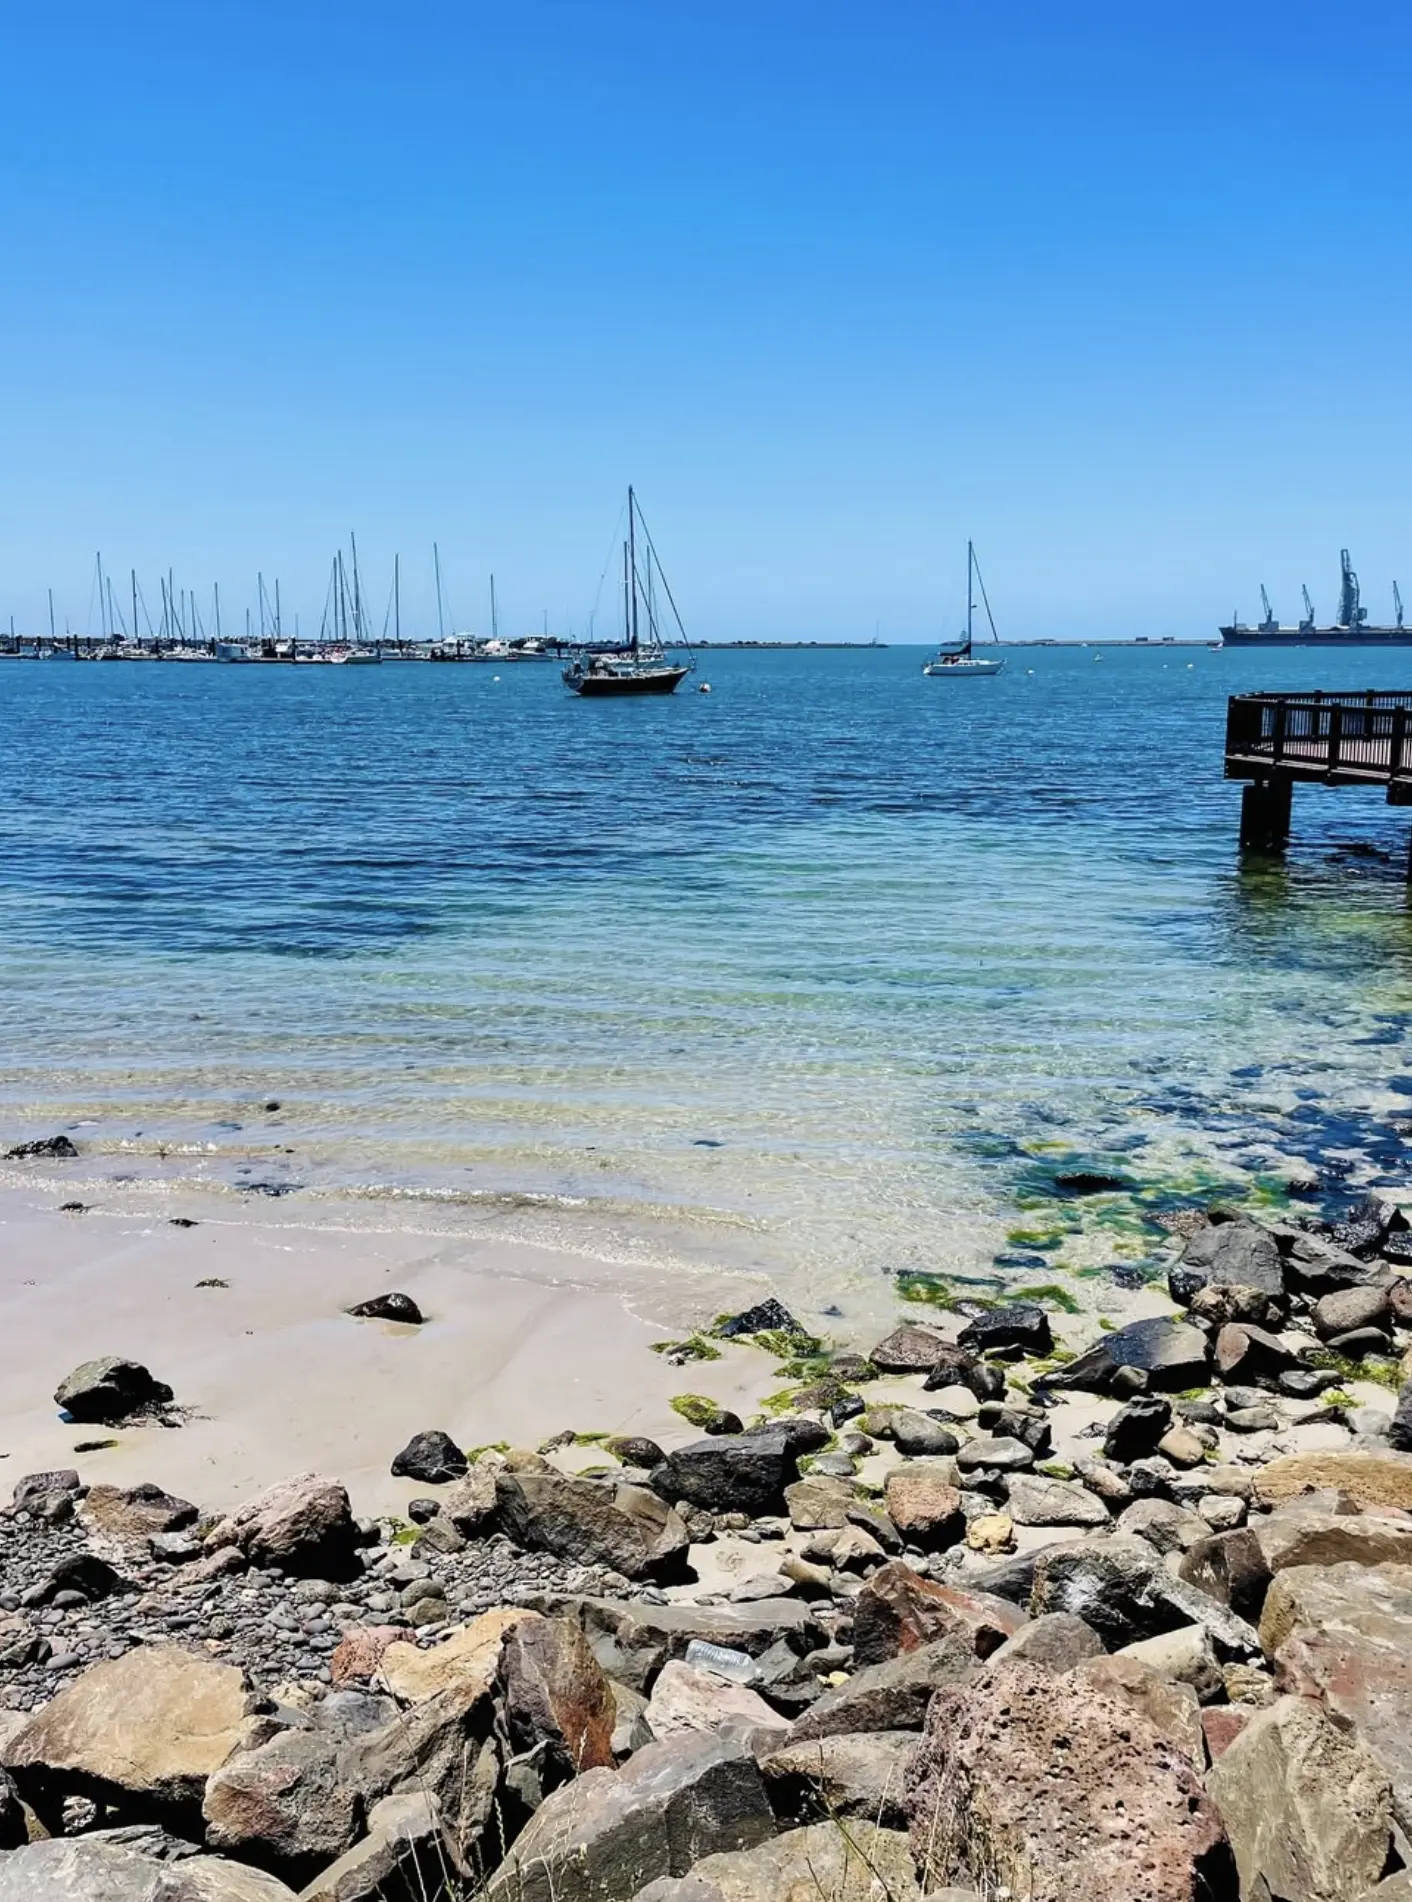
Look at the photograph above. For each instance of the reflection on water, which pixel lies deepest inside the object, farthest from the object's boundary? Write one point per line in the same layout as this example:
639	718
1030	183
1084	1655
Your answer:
841	959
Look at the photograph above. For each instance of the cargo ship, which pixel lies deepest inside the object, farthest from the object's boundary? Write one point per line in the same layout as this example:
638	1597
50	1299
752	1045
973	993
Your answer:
1352	628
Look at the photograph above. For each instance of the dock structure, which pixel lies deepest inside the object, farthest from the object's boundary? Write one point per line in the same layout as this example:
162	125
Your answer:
1324	739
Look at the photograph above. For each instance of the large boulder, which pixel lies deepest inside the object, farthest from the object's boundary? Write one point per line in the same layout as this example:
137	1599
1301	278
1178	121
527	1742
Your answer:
1170	1707
687	1698
609	1833
1058	1789
109	1390
741	1472
555	1699
1343	1634
432	1457
106	1868
283	1806
1058	1640
826	1862
898	1610
1173	1354
626	1528
469	1503
1239	1254
303	1525
1369	1478
1307	1810
141	1733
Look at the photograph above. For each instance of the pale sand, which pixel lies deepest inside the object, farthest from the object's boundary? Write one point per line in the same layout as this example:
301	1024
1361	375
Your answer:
522	1341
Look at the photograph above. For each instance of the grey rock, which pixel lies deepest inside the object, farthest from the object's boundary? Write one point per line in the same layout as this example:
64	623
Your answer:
623	1527
609	1833
283	1806
859	1774
110	1389
747	1472
432	1457
1350	1308
1020	1324
92	1869
984	1454
408	1852
1137	1429
889	1696
1241	1253
389	1307
1057	1639
918	1433
1035	1501
1172	1354
632	1640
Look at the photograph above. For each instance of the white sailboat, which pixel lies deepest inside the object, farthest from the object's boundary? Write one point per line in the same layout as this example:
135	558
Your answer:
958	661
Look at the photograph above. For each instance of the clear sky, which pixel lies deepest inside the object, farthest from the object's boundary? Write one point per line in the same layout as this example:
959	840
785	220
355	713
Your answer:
1120	289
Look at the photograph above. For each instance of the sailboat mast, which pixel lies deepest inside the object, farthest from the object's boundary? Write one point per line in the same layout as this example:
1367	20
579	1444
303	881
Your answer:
970	590
627	616
357	590
216	590
632	560
494	617
277	616
134	604
440	617
397	599
51	616
102	607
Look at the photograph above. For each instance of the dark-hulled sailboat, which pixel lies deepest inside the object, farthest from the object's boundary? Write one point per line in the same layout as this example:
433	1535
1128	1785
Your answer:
639	663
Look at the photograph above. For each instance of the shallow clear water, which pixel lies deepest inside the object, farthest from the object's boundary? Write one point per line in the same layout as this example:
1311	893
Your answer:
839	960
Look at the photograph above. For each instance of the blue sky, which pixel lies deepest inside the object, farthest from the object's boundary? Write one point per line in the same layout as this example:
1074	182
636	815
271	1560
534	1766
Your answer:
1119	290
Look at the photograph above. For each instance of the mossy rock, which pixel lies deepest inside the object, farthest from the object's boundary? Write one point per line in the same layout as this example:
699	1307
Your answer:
694	1347
709	1415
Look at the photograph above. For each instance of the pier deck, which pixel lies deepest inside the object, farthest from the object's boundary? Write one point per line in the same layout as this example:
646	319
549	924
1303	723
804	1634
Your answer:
1326	739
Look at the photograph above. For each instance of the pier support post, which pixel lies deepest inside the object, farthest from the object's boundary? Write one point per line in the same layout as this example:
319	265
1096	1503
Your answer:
1264	814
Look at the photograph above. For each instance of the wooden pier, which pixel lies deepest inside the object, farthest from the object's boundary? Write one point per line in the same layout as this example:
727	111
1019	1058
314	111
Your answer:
1326	739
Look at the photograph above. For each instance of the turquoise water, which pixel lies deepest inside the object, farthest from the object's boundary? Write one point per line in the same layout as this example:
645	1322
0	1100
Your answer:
832	967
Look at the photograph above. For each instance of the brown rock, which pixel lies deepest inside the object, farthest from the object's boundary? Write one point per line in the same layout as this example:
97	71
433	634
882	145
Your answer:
465	1662
1221	1724
909	1349
1307	1810
555	1698
819	1504
143	1731
1343	1634
283	1806
359	1653
1372	1479
304	1525
469	1503
1060	1790
1170	1707
134	1514
898	1610
1350	1308
1246	1353
924	1503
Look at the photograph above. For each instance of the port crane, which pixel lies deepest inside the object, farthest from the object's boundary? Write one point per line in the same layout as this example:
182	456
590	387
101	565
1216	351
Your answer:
1308	621
1350	614
1397	603
1269	625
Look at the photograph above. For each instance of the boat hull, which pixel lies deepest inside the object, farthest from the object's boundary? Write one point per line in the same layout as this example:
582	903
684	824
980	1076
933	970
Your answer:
1316	637
963	669
604	686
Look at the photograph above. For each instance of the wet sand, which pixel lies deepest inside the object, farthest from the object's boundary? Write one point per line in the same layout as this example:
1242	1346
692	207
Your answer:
521	1341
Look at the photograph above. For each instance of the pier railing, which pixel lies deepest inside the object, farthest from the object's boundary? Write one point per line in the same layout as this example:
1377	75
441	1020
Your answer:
1338	739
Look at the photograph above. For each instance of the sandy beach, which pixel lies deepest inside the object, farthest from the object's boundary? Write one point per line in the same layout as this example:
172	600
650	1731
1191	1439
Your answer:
520	1341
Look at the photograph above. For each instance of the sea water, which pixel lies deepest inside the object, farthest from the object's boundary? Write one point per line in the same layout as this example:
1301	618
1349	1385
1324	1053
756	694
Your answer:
837	971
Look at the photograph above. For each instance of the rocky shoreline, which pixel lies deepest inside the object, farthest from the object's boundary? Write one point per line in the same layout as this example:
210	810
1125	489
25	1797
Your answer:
973	1615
